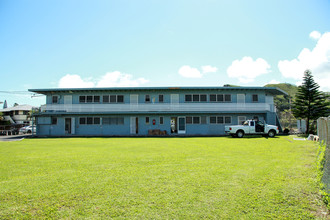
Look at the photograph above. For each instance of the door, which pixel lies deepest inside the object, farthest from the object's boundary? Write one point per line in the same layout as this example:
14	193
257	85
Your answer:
134	100
134	125
241	98
182	125
68	103
68	99
67	125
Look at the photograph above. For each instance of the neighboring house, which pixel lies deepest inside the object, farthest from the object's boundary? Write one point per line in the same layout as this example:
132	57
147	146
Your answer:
18	114
146	111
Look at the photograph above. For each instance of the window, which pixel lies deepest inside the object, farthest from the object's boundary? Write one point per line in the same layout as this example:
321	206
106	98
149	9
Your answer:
220	98
203	98
90	120
89	98
161	98
241	119
203	120
213	98
16	112
113	98
188	98
220	120
196	98
97	121
255	98
54	121
82	121
82	99
106	99
55	99
192	120
196	120
147	120
213	120
25	112
147	98
161	120
227	120
120	98
227	98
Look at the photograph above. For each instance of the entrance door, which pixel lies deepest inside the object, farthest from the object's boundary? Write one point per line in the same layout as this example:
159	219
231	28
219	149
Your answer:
67	125
182	125
134	125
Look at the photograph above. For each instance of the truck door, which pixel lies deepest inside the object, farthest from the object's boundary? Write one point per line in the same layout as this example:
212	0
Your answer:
252	127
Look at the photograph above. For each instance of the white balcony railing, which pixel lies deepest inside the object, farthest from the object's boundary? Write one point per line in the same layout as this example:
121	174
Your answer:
164	107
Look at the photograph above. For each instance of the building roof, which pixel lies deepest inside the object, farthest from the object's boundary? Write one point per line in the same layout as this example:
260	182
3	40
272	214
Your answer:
272	90
18	108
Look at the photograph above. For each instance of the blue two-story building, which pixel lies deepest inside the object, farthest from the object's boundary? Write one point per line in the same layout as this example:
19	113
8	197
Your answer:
152	111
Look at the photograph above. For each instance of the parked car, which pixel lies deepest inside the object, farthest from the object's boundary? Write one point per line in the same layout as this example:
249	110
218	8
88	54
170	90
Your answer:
252	127
27	129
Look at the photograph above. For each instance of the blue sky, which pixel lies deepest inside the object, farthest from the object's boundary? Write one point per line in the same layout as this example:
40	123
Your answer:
67	43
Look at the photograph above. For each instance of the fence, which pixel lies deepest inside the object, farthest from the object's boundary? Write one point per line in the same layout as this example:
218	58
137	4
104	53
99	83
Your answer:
323	130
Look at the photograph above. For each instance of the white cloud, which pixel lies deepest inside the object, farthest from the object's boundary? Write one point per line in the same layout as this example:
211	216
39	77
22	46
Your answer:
273	81
74	81
246	70
111	79
190	72
209	69
315	35
317	60
118	79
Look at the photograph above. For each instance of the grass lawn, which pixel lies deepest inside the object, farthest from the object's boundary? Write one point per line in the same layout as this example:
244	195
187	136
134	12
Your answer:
181	178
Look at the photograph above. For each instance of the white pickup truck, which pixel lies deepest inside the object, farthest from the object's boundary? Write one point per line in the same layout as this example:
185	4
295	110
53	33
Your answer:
252	127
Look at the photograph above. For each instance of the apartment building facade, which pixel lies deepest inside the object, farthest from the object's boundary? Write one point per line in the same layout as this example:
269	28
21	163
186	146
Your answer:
145	111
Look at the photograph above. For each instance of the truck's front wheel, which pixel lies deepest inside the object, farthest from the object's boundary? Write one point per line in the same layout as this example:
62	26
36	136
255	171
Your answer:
239	134
271	133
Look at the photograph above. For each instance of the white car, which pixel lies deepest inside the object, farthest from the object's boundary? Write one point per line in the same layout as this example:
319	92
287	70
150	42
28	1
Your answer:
27	129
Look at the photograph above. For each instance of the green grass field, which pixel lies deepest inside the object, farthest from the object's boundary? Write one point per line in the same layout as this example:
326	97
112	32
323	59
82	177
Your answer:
159	178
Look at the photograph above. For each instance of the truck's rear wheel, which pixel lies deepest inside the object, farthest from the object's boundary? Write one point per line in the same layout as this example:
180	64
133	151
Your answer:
271	133
239	134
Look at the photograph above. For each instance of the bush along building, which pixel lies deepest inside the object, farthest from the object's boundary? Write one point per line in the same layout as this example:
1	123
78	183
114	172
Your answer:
145	111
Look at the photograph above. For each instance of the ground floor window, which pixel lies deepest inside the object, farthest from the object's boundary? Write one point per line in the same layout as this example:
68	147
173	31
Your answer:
241	119
54	120
161	120
147	120
113	120
220	120
89	120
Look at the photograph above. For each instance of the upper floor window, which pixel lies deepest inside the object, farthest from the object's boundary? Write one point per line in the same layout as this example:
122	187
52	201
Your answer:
161	98
147	98
196	98
89	99
220	98
113	99
255	98
54	99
